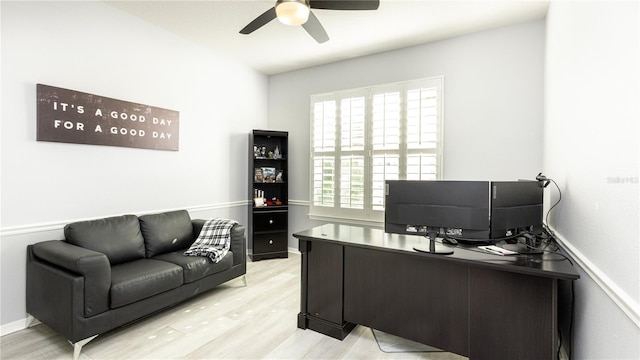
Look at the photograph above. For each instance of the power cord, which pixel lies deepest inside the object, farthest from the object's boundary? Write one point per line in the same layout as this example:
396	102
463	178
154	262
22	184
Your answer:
573	310
494	240
573	302
544	181
559	344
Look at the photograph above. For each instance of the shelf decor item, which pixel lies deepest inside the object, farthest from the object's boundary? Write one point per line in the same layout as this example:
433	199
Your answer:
258	175
268	174
267	221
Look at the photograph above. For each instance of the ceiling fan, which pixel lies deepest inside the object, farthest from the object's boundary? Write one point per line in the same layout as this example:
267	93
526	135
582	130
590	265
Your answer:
298	12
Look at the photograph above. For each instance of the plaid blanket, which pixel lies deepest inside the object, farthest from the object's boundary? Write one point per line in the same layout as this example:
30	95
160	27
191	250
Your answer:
214	239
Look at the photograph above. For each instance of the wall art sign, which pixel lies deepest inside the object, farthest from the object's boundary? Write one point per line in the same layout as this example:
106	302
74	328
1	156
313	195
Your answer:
75	117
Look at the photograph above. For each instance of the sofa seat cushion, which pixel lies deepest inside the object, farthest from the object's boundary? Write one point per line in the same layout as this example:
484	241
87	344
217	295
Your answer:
141	279
118	237
196	267
166	232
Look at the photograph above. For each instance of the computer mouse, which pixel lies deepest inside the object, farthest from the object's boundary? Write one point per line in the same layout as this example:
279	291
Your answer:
449	241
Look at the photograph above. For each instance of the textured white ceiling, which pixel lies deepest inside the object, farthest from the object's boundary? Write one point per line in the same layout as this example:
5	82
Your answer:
277	48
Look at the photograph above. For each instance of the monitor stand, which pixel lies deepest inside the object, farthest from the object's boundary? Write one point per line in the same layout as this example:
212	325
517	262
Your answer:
526	248
433	247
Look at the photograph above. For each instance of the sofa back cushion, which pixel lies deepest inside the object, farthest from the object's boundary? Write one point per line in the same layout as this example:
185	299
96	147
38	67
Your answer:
117	237
166	232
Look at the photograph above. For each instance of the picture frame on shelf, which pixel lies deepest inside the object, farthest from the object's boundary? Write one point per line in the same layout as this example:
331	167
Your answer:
258	175
268	174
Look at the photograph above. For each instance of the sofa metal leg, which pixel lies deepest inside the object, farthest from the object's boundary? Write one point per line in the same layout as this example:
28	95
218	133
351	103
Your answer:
244	278
77	346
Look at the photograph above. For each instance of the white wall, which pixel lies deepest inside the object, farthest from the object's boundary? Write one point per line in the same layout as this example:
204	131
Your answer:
591	149
92	47
492	114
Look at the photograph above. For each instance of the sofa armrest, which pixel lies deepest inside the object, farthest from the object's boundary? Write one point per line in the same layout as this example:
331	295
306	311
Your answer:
238	244
238	240
92	265
197	227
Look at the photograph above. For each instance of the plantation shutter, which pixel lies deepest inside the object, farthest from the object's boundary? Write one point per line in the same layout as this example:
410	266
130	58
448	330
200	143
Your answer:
362	137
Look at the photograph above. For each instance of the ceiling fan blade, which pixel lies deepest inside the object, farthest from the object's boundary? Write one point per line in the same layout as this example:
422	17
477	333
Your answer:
260	21
345	4
315	29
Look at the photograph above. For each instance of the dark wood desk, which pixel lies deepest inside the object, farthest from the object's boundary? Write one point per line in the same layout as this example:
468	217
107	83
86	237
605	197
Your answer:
470	303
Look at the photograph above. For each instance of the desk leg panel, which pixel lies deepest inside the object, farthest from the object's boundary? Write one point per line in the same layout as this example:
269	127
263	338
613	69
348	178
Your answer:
408	295
324	277
322	289
512	316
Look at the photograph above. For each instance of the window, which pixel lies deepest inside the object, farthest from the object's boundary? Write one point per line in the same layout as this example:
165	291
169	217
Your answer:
362	137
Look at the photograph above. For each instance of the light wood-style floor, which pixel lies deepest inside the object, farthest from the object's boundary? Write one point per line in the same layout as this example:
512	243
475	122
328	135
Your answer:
230	322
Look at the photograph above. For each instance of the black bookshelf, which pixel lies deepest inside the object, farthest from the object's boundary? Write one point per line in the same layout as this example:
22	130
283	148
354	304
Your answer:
267	228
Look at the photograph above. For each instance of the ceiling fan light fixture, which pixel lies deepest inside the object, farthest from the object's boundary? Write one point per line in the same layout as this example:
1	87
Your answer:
292	12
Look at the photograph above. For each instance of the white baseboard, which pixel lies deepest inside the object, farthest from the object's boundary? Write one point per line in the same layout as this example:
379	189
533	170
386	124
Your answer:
293	250
610	288
16	326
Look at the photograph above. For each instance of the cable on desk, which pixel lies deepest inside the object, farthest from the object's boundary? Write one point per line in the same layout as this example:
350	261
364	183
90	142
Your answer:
547	242
469	240
551	240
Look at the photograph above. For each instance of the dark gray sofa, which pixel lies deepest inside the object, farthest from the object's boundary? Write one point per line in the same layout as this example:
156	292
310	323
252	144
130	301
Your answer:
111	271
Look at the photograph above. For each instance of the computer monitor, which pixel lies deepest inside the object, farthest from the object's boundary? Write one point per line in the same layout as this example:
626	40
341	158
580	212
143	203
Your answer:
516	210
452	209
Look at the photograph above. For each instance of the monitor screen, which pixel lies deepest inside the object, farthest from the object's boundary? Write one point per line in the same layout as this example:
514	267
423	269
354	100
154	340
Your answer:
516	207
456	209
